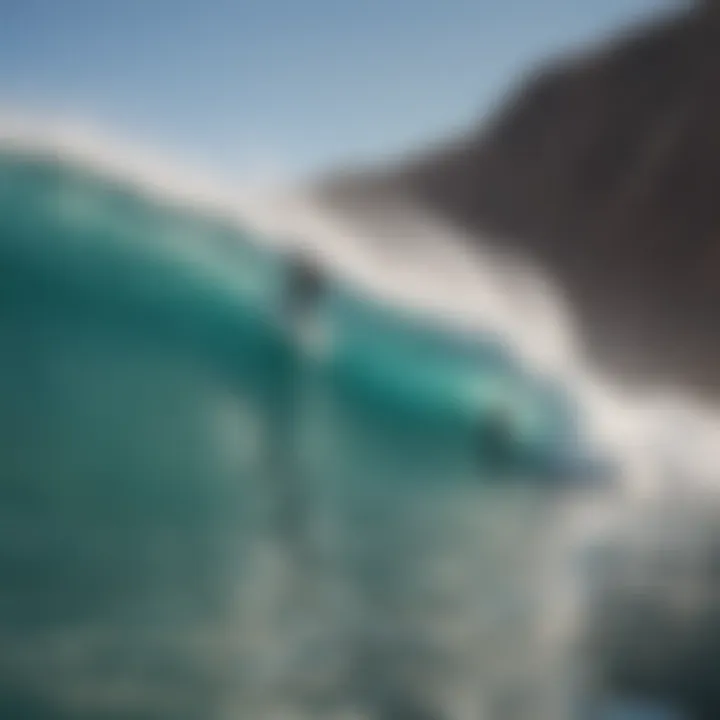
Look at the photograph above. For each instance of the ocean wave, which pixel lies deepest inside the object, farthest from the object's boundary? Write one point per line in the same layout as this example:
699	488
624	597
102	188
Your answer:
420	579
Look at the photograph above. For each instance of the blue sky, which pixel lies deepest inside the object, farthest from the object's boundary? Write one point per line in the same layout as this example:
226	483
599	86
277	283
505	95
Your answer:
302	84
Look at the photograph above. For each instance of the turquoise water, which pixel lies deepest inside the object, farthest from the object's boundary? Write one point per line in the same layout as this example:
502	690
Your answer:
201	518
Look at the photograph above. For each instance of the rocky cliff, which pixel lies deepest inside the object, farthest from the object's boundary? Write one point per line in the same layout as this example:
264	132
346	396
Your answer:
605	169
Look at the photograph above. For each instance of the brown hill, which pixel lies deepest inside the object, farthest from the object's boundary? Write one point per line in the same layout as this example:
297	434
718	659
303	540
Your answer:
604	168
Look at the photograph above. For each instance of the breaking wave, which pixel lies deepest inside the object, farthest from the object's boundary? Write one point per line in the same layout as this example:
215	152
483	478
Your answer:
201	521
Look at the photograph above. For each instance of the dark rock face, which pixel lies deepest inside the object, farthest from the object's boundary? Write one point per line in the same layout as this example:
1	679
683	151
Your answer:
605	169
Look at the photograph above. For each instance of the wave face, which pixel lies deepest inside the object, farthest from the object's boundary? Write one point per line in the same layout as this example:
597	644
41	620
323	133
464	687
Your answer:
211	511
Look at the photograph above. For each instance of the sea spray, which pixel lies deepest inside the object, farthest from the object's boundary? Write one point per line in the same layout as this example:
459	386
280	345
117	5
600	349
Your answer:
149	386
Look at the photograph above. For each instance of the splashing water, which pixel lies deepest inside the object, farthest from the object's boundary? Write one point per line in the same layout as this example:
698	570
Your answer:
204	518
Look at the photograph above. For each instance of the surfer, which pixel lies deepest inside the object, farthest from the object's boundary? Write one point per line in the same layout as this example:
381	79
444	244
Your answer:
305	286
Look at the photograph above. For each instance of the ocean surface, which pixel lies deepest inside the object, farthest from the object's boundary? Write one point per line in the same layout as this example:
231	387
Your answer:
218	503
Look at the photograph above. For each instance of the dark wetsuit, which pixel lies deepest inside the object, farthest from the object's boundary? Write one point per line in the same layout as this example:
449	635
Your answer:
305	285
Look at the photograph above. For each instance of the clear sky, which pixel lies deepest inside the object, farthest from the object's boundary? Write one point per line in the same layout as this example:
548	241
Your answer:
299	83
